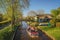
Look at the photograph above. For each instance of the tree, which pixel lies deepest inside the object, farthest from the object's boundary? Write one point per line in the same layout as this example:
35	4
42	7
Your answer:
58	17
13	6
32	13
1	17
55	13
39	12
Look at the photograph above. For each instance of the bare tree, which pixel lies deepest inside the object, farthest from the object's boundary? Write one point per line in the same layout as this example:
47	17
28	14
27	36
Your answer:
31	13
39	12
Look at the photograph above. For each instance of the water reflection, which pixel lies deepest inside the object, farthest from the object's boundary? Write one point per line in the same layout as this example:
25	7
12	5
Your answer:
24	25
24	34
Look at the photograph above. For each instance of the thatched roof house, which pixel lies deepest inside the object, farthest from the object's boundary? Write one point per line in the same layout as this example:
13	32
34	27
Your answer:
44	17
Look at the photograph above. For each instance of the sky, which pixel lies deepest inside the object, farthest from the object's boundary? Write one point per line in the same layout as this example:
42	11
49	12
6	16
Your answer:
46	5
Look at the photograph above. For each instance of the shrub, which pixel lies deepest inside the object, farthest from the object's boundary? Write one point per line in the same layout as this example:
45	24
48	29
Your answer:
6	33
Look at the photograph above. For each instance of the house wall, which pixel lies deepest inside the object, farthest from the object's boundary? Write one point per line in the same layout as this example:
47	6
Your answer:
44	20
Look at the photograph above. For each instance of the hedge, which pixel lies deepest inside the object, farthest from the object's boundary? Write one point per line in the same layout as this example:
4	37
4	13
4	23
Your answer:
7	32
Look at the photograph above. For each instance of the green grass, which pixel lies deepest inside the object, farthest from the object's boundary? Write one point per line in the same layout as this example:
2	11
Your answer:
6	33
54	32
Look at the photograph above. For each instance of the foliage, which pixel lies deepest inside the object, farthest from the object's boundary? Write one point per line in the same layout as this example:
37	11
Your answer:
1	17
14	8
52	23
34	24
6	33
55	13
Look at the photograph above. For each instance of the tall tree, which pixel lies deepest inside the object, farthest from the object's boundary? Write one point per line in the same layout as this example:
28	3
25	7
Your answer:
1	17
32	13
55	13
39	12
14	5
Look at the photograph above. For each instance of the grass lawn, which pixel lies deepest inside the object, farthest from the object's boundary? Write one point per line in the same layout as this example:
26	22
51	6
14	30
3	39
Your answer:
54	32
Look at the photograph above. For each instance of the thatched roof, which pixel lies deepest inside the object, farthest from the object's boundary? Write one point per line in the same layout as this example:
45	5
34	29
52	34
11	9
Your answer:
44	16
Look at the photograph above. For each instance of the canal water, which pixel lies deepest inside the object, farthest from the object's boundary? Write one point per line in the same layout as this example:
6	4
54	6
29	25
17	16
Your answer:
25	36
22	34
24	25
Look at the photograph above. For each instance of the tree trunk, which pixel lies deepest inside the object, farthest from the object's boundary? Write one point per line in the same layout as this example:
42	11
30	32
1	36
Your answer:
54	22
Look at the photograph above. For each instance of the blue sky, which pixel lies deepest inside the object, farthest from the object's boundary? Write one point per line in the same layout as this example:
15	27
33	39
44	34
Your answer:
46	5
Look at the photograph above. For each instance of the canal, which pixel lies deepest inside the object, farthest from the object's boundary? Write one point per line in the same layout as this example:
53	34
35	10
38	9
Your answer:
21	34
24	34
